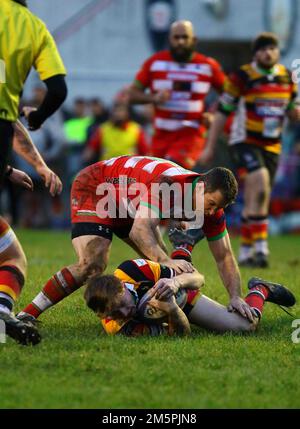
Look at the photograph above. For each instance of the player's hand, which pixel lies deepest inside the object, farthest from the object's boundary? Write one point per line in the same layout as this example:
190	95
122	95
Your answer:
51	180
161	97
20	178
33	118
26	112
180	266
165	288
168	305
206	156
239	305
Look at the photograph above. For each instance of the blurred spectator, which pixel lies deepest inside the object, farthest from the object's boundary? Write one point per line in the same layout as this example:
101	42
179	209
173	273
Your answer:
99	115
118	136
76	130
144	115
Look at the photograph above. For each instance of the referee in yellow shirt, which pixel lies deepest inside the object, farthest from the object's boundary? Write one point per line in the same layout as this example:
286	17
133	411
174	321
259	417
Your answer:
25	42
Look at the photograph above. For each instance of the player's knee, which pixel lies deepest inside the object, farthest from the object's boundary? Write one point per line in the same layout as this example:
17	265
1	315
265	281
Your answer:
262	196
17	259
89	267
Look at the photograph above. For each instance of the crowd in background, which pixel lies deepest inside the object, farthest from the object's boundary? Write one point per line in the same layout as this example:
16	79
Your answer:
88	130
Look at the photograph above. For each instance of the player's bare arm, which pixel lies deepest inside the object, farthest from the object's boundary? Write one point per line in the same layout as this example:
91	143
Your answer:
24	146
160	239
230	275
137	95
165	288
178	323
143	235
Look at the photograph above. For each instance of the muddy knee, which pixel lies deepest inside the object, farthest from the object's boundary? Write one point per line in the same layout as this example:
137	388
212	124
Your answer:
89	267
262	196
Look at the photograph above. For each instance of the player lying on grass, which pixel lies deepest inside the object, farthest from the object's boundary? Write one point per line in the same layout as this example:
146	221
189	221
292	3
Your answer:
92	230
119	301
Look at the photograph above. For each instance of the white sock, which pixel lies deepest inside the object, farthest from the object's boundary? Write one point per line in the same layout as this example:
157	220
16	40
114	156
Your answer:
4	309
261	246
245	252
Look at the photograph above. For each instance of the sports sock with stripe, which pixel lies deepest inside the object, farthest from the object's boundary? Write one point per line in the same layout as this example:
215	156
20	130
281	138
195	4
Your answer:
183	252
11	284
246	246
256	298
57	288
259	231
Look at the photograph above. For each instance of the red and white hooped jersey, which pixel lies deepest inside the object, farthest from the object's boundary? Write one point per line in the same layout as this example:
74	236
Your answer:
132	170
139	174
188	83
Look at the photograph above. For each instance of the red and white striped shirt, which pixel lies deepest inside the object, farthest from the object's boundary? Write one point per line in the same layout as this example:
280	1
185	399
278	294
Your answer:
188	83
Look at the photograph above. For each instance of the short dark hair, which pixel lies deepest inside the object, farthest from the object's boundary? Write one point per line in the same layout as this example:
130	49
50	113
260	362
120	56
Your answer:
223	180
264	39
101	291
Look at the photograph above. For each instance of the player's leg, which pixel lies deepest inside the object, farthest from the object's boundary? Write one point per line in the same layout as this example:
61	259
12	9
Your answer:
250	168
92	256
215	317
13	267
259	225
160	240
258	192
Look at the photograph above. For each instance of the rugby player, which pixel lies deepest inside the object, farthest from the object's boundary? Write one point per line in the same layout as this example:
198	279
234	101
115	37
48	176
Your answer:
179	80
93	228
24	42
115	299
261	94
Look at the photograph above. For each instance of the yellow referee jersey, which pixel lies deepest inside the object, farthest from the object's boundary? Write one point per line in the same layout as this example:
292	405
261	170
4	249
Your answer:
24	42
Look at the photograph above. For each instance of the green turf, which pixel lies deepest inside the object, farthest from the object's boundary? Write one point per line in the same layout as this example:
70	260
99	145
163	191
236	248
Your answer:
77	366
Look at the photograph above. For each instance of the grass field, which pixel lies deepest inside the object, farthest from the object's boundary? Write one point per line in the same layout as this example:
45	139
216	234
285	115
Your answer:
77	366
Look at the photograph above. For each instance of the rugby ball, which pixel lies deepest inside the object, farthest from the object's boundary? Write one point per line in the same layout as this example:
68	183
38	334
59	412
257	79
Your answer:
147	313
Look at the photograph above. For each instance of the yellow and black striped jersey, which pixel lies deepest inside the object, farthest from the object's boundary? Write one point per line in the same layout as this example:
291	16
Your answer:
260	100
140	275
25	42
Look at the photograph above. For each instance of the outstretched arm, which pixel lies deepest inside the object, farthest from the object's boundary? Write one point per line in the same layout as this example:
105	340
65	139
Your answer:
24	146
165	288
143	234
230	275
